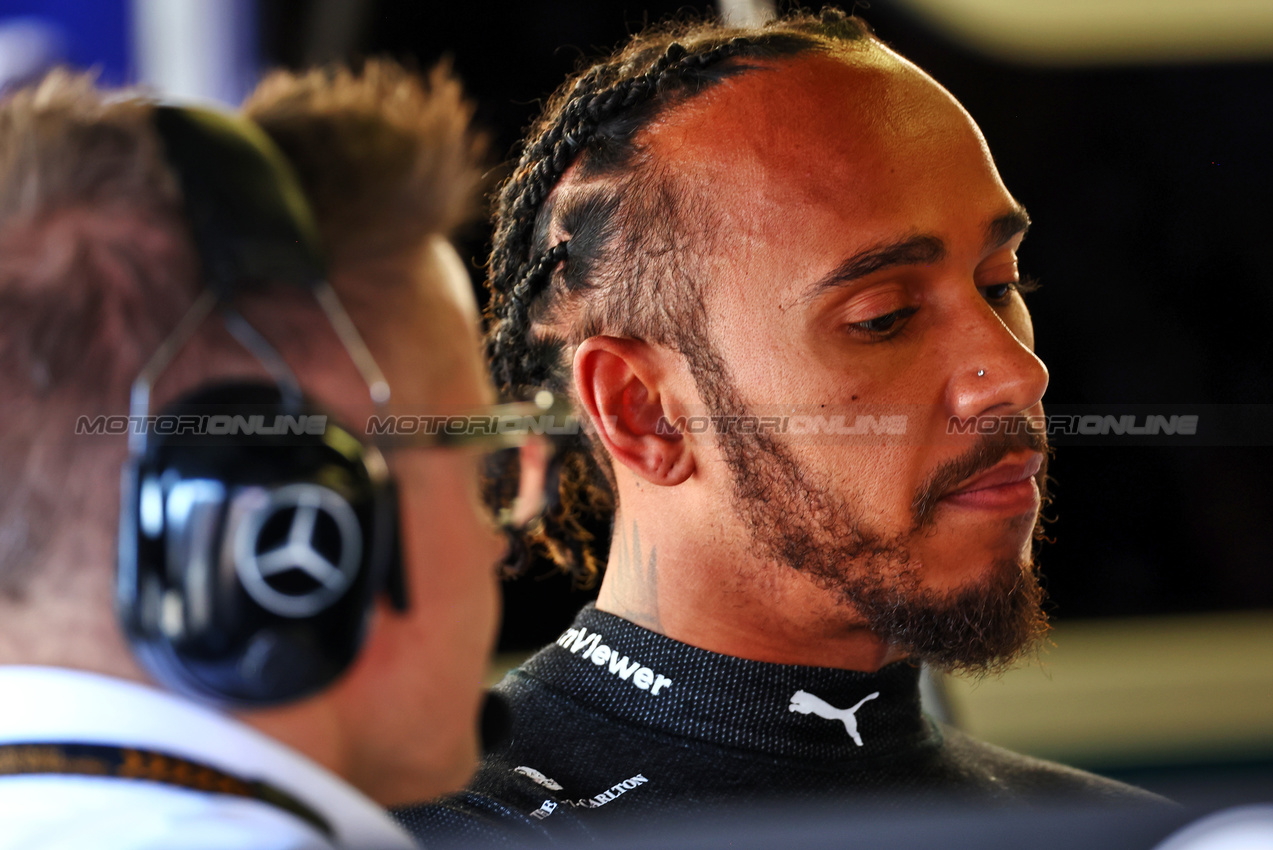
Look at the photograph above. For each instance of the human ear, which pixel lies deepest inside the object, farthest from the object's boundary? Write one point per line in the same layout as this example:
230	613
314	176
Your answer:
620	383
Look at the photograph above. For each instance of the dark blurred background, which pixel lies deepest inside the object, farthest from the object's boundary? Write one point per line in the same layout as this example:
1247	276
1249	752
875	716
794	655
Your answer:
1149	181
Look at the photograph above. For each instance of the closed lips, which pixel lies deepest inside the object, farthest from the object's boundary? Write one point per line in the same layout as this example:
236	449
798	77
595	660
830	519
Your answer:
1007	472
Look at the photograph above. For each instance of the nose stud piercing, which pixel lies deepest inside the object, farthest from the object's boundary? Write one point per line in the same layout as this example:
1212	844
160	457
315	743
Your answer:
981	373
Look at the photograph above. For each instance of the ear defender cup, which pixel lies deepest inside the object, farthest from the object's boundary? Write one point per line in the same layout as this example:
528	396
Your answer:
255	531
254	539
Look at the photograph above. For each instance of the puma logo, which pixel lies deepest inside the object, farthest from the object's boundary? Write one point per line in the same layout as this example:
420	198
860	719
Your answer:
806	703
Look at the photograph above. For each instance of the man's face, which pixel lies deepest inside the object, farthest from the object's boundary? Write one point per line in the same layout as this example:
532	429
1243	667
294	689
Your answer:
865	263
416	688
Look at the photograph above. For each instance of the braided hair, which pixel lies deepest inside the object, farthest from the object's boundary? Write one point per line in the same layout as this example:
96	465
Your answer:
621	262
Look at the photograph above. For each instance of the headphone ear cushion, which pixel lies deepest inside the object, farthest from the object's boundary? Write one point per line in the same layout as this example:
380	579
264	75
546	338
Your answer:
253	545
391	563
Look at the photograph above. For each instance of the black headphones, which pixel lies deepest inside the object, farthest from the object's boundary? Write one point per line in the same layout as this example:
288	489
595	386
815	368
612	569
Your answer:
256	532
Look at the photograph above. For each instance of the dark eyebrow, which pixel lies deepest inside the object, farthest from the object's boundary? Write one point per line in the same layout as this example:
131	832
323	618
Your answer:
1000	231
918	250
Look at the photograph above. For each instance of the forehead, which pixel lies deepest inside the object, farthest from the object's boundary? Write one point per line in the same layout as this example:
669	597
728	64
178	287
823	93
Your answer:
856	143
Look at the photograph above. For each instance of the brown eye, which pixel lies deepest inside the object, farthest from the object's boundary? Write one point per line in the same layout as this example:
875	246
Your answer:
998	292
883	326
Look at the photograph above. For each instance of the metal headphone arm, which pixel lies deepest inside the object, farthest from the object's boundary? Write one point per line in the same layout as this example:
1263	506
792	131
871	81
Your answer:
259	347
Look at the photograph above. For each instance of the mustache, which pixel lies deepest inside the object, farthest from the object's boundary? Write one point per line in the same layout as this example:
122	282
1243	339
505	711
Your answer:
1014	434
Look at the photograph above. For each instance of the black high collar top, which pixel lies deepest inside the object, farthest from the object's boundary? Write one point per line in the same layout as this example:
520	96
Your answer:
616	720
632	675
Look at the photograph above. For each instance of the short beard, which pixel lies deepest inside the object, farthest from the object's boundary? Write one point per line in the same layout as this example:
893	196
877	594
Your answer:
982	627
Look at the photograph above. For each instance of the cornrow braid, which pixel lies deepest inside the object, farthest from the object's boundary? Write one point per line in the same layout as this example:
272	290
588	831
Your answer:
539	169
619	264
515	324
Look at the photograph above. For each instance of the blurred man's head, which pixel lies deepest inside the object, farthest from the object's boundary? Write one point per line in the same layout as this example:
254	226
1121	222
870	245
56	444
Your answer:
788	223
97	268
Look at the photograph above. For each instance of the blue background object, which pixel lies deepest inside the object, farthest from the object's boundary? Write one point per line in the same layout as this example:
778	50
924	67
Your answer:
95	32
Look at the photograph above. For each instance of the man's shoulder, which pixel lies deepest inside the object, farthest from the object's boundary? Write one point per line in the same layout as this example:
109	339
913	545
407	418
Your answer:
1010	774
569	766
572	755
77	740
75	811
561	761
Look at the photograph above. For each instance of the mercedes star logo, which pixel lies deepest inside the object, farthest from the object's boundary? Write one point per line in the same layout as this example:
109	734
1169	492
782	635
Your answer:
298	551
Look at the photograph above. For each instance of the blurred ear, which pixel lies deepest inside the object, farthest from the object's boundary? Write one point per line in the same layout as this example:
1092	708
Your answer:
620	385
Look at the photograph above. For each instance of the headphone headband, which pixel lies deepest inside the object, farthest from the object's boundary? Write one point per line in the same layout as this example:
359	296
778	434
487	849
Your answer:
247	213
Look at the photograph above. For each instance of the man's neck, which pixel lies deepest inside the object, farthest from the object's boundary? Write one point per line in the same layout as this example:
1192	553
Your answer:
712	593
64	636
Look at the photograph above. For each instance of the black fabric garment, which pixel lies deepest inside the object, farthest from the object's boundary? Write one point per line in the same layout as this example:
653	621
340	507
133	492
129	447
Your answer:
614	719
